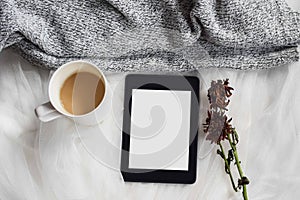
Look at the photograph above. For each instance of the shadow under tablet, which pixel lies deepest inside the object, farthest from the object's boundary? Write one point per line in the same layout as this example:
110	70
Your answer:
160	128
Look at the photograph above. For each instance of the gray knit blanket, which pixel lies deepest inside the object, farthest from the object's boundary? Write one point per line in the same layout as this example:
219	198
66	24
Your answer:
152	35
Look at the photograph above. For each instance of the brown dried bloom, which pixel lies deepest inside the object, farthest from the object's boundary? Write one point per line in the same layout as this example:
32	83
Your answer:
218	93
217	125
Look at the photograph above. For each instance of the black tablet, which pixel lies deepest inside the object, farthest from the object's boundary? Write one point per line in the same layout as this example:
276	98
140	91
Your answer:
160	128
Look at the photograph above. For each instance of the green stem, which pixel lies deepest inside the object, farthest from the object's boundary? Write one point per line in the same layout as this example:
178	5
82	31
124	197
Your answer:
228	167
233	146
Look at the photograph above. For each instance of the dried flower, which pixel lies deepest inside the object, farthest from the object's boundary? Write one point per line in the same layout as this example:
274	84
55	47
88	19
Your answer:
218	128
217	125
218	94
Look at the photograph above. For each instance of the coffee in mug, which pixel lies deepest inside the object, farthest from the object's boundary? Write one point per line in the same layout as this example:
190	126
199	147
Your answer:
81	93
77	90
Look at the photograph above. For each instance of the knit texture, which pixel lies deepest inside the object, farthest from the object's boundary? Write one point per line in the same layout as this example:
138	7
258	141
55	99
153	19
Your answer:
152	35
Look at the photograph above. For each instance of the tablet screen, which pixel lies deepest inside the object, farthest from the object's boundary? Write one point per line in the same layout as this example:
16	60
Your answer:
157	118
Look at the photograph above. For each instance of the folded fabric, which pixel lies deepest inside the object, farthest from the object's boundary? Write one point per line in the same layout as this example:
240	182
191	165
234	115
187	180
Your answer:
152	35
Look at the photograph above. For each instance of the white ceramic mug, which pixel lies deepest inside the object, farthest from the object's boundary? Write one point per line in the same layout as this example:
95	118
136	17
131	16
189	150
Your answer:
54	108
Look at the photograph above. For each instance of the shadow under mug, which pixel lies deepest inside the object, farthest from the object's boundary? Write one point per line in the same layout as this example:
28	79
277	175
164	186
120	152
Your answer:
54	108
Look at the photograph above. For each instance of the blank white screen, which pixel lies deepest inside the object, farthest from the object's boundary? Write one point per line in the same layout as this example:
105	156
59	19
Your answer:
157	118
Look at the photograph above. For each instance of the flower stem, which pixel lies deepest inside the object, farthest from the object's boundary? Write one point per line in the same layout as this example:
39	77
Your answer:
233	146
227	167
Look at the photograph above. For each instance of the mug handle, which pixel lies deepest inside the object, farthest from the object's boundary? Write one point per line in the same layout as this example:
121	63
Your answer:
46	112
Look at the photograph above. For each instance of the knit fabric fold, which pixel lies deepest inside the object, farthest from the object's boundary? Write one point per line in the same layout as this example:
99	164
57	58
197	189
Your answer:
152	35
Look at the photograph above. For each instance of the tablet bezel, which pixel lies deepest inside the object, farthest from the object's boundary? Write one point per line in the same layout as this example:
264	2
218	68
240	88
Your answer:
160	82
